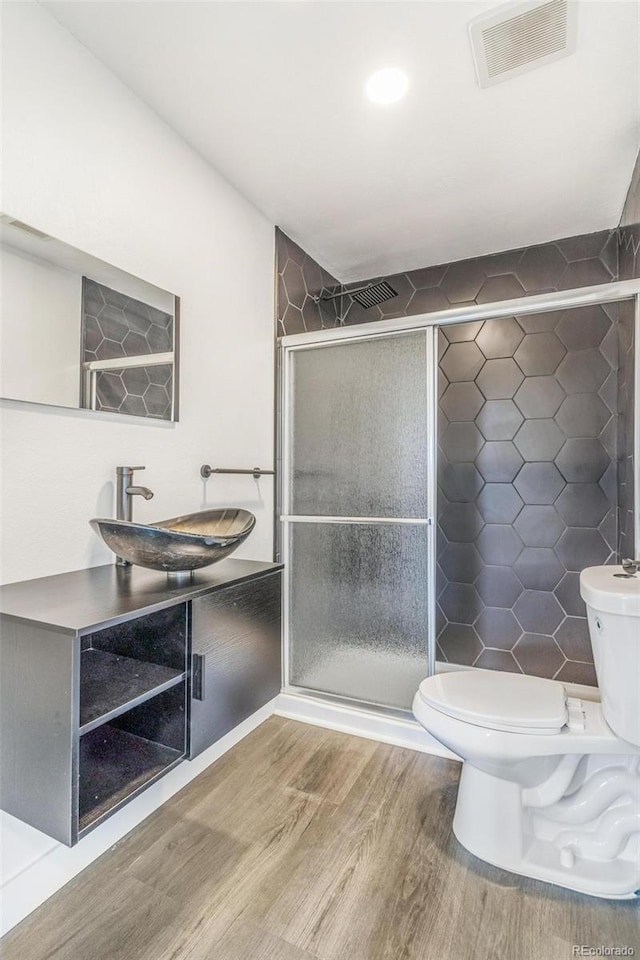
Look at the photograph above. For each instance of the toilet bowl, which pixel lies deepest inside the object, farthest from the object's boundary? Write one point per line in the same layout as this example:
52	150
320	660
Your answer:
550	784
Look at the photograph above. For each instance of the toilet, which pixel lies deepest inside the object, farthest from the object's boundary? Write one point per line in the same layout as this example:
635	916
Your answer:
550	783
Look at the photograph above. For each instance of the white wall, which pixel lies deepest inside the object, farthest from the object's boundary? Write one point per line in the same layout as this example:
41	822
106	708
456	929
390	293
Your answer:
40	324
87	162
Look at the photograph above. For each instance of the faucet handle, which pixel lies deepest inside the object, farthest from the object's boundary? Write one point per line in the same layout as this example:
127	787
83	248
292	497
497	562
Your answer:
123	470
630	566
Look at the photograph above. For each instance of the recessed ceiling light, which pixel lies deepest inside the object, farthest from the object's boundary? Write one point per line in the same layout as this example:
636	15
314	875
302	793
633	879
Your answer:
387	86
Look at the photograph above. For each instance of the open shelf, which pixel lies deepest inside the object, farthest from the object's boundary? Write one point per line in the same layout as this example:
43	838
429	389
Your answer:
111	684
115	765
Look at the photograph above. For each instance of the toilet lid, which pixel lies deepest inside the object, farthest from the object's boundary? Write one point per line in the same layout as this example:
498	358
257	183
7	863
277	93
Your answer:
500	701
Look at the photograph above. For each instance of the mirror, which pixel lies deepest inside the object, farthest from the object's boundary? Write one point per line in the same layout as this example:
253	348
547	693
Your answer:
78	332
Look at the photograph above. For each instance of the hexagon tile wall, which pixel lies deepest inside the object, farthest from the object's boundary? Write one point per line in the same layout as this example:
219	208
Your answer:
529	435
118	326
527	487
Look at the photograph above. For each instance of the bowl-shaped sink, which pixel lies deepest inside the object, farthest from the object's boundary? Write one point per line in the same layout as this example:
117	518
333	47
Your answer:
181	544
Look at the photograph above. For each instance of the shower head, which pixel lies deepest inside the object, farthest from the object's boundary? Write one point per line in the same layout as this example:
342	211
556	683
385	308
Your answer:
367	296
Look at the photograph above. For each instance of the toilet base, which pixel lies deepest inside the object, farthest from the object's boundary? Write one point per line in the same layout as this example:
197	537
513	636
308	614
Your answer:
585	837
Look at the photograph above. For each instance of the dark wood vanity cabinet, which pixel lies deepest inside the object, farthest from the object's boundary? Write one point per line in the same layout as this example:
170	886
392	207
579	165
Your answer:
112	676
235	656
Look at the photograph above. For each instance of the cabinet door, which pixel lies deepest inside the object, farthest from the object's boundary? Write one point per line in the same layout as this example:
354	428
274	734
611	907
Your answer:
236	657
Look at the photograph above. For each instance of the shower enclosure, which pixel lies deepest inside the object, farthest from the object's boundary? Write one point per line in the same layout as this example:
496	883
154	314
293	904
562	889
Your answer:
443	480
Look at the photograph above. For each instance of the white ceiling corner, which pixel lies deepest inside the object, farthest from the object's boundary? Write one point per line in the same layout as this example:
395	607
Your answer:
271	94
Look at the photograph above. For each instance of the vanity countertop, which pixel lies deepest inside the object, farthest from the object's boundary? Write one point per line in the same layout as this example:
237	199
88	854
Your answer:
85	600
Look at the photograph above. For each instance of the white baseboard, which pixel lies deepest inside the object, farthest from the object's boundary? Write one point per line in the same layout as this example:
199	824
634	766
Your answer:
360	723
35	866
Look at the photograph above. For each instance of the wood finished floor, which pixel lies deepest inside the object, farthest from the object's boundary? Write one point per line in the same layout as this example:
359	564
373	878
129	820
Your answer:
306	844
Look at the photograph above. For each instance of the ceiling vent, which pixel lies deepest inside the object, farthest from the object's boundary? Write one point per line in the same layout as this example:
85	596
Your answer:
519	37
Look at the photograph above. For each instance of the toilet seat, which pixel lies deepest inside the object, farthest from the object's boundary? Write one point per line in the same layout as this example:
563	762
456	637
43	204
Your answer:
513	703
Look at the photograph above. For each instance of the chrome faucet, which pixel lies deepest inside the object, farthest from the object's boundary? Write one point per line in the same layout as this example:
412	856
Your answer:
125	492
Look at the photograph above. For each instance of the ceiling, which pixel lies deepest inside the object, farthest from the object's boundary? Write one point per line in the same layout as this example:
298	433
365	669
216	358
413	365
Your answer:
271	94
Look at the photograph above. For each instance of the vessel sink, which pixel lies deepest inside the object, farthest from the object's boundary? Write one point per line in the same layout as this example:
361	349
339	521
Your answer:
181	544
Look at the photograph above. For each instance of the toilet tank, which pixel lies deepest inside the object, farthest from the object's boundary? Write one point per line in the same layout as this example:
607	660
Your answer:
613	610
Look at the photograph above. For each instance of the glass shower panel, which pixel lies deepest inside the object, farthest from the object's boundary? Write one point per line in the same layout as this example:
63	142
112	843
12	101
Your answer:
359	429
359	610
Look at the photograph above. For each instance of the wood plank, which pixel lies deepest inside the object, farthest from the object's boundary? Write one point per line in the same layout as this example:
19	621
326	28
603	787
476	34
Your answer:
307	844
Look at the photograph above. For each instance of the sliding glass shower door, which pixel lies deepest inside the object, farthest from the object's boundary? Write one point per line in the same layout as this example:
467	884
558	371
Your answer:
358	500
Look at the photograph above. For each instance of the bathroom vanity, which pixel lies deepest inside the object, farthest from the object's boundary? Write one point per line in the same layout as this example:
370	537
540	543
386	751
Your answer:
113	675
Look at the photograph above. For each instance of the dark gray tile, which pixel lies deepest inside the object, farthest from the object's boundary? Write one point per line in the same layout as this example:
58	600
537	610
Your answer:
460	332
538	612
109	349
460	644
499	379
460	522
135	345
499	419
462	361
462	401
461	441
113	324
583	327
136	380
538	655
133	406
539	440
609	391
584	273
580	547
582	505
502	660
583	247
499	544
539	322
92	333
539	526
539	397
498	461
541	268
292	320
538	568
498	586
428	277
497	627
461	562
159	339
499	338
539	354
463	280
506	287
460	603
499	503
539	483
573	638
110	390
568	593
294	283
460	482
583	371
583	415
582	461
161	373
155	400
573	672
137	316
427	301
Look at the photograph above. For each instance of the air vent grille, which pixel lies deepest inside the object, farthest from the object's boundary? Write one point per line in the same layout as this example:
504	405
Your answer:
521	37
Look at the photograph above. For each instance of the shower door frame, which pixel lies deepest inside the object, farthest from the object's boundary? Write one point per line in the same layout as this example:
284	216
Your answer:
429	322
